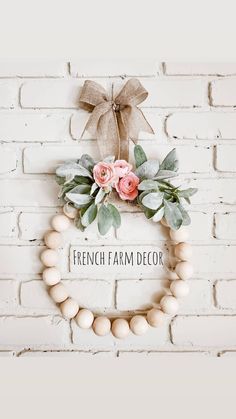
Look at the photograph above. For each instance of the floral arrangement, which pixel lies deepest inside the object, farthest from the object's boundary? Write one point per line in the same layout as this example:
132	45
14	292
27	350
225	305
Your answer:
87	186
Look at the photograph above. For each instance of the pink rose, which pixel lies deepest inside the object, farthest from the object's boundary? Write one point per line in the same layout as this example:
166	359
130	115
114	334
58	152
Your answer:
122	168
104	174
127	187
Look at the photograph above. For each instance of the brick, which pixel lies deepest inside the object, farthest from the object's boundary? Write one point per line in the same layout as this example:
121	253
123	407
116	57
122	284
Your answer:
223	92
116	68
51	94
8	94
214	191
46	159
7	159
80	355
191	69
29	192
20	259
15	331
33	69
140	295
89	294
153	339
226	294
202	125
25	127
212	260
163	355
80	118
175	93
225	158
7	223
8	294
204	331
225	226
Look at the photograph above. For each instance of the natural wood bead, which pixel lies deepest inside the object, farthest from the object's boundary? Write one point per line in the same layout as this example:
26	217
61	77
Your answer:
180	235
60	223
69	308
164	223
51	276
101	326
155	317
120	328
179	288
53	239
84	318
49	257
172	275
183	251
138	325
184	270
169	304
70	211
58	293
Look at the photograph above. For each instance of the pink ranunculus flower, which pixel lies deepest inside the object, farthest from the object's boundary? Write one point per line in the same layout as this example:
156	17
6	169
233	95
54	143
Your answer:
122	168
127	187
104	174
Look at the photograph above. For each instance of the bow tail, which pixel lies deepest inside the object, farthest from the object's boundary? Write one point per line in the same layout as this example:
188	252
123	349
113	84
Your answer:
108	135
135	122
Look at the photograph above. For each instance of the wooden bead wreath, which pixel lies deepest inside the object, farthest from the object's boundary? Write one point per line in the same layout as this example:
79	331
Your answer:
86	187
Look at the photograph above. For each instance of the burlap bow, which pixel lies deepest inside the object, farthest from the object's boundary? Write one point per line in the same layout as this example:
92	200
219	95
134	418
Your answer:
114	121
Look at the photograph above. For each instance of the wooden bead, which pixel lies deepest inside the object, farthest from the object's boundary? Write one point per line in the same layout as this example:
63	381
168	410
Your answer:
183	251
53	239
49	257
51	276
164	223
120	328
172	275
60	223
138	325
169	304
69	308
58	293
180	235
70	211
84	318
179	288
184	270
101	326
155	317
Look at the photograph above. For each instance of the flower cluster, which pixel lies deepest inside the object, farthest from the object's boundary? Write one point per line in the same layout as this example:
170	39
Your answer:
117	175
88	186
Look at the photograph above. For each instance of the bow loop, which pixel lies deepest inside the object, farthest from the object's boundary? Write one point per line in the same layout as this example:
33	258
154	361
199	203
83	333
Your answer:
114	122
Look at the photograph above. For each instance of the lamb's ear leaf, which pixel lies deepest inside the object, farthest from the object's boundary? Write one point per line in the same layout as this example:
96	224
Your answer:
153	200
105	220
139	155
89	215
170	162
147	185
186	193
147	170
186	217
173	215
158	214
87	162
100	195
115	215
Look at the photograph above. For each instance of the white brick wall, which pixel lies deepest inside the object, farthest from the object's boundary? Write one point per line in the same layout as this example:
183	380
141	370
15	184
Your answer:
191	106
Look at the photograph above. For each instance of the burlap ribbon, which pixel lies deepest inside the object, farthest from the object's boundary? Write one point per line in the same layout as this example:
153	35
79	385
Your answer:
114	121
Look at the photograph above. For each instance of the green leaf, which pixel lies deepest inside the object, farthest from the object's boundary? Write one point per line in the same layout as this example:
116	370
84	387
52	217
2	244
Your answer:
82	180
105	220
147	184
109	159
84	189
170	162
78	223
158	215
164	174
186	193
186	218
93	188
89	215
79	199
115	215
148	169
139	155
87	162
149	213
173	215
100	195
71	169
153	200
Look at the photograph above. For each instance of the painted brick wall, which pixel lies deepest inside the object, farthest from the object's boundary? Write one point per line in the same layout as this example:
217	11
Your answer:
191	107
